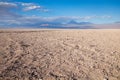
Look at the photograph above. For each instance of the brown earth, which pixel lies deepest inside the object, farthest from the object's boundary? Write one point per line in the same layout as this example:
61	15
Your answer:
60	55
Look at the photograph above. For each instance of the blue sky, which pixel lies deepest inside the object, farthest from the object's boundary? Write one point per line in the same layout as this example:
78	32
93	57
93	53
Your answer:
59	13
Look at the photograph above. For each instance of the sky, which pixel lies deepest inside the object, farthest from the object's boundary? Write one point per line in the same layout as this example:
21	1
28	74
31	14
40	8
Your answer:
58	13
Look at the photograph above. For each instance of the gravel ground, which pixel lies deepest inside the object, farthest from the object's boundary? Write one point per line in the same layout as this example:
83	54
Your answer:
60	54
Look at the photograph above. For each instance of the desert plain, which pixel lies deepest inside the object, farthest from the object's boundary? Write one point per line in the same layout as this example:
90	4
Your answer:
84	54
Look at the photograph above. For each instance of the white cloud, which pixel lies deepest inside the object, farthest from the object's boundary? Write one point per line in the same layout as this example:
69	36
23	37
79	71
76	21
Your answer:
27	4
45	25
33	6
28	8
45	10
6	4
96	17
88	17
106	17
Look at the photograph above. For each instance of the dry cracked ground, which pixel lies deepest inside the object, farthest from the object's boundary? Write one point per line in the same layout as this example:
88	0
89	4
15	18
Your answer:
60	54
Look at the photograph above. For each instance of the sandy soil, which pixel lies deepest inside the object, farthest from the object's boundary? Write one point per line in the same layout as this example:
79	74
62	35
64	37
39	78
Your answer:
60	55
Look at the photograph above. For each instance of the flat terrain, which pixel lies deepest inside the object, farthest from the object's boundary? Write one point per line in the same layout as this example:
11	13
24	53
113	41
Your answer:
60	54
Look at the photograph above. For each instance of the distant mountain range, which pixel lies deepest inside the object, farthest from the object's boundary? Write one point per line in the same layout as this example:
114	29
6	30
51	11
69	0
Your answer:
72	24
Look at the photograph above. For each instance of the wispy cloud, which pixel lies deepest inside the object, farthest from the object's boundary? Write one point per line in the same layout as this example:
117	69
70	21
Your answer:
31	6
7	5
26	4
7	9
4	6
97	17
